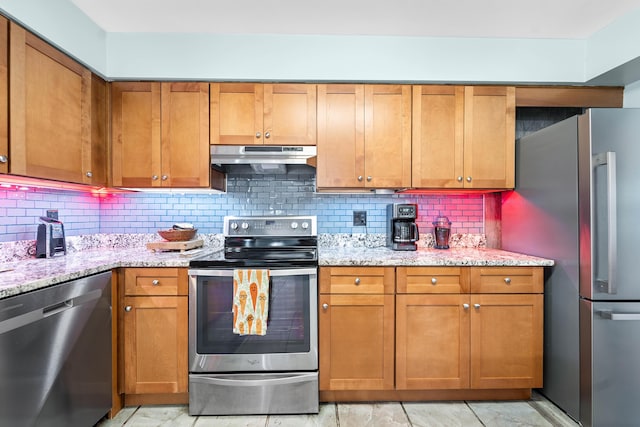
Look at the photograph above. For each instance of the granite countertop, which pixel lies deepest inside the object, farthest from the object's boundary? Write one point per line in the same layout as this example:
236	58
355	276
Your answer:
382	256
26	275
98	253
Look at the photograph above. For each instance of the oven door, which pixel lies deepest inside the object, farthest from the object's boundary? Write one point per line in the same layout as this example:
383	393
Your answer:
291	341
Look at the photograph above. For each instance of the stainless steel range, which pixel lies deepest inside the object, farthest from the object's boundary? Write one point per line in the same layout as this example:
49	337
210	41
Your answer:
253	334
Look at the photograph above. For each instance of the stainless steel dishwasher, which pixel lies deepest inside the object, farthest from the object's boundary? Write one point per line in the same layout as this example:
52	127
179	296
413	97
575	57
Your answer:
55	354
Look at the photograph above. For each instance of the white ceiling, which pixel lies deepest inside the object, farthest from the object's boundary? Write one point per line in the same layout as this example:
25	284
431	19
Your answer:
574	19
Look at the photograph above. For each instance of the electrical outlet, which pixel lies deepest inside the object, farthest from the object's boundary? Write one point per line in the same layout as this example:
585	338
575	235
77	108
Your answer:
359	218
52	213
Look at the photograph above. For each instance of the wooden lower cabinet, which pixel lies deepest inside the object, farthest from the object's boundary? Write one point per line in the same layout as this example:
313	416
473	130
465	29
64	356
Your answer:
356	342
154	336
356	324
458	345
506	341
432	342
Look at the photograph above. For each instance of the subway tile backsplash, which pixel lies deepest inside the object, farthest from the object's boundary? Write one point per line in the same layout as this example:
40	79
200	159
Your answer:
267	195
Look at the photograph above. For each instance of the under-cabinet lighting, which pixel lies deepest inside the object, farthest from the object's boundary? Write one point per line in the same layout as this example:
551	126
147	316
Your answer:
24	183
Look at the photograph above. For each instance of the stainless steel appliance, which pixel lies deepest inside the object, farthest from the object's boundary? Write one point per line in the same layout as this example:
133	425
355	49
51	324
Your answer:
50	240
402	230
256	374
577	201
55	354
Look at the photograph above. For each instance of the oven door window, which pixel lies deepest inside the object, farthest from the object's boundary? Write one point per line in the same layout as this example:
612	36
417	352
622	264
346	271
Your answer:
288	325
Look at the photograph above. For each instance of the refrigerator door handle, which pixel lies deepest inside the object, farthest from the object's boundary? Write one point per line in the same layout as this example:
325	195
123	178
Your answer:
619	316
609	159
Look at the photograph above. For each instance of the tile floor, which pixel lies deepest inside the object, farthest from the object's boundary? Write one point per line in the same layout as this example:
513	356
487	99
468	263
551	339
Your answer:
535	412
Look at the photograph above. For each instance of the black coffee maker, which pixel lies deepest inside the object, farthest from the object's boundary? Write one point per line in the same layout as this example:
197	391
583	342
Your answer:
402	230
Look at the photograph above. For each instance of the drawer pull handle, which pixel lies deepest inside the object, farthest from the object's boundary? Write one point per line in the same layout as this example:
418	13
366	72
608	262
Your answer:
325	306
465	306
127	308
434	280
155	282
357	281
476	306
507	280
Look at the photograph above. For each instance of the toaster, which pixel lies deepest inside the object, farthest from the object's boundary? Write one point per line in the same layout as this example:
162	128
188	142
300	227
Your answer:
50	240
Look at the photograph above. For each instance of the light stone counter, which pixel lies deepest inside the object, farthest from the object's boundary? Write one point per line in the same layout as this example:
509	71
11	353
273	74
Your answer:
382	256
31	274
98	253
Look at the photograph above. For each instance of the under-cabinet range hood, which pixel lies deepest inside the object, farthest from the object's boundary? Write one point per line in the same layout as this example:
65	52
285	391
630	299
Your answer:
263	158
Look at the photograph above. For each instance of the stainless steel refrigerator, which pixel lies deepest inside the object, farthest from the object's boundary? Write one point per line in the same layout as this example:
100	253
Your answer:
577	201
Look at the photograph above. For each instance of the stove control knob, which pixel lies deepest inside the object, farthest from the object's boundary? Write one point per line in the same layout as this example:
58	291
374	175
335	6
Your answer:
244	226
294	225
305	225
234	225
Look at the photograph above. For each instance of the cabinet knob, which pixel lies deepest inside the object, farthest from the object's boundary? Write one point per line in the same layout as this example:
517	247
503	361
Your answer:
468	179
476	306
154	177
357	281
369	179
459	179
258	135
89	174
360	178
127	308
434	280
155	282
4	159
267	135
165	177
465	306
507	280
325	306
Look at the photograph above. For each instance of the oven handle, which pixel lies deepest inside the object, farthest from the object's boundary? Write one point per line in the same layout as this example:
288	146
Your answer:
272	273
251	381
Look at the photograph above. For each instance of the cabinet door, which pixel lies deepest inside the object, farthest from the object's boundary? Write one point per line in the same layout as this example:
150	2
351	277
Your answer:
340	136
489	137
185	134
236	113
4	95
387	136
155	345
290	114
99	131
50	98
506	341
135	109
438	137
432	342
356	342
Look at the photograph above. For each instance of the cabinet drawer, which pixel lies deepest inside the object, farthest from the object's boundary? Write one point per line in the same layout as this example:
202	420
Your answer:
507	280
432	280
357	280
155	281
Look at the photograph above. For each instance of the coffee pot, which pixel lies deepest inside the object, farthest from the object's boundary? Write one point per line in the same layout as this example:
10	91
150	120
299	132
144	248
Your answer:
442	231
402	230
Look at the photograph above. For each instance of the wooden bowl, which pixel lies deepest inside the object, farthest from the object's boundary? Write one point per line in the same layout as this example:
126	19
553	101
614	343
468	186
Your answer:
177	235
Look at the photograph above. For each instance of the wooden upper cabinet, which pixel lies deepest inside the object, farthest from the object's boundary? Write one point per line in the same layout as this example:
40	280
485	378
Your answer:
4	95
438	136
463	137
160	134
50	103
489	137
257	113
364	136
